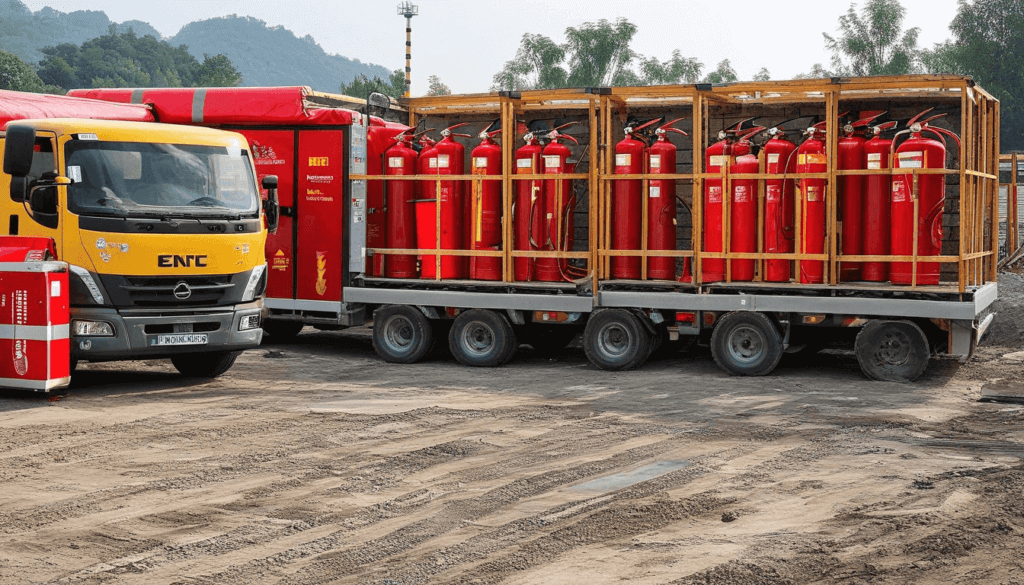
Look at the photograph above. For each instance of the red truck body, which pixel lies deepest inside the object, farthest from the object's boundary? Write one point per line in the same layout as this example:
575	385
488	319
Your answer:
304	144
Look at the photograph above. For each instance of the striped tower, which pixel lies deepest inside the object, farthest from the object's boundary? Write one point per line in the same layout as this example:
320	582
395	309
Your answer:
408	10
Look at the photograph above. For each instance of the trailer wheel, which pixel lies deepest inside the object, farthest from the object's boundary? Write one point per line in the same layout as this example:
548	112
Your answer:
205	365
746	344
615	340
482	338
401	334
892	351
282	330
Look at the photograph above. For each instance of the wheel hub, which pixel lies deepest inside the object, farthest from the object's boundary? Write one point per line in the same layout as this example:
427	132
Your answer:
399	333
478	339
614	340
746	344
894	348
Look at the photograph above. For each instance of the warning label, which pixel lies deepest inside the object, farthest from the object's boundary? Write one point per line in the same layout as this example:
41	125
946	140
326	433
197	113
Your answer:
714	194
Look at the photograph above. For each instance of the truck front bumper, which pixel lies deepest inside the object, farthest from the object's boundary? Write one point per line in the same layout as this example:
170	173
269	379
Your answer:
136	331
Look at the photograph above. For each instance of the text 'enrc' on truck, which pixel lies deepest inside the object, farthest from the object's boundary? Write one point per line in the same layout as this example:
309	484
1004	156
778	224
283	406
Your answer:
163	230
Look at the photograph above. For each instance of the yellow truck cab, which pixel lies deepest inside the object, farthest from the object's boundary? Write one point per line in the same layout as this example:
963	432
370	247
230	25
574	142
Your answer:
162	227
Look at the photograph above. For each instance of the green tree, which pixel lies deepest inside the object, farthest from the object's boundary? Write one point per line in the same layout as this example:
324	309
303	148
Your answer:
988	44
763	75
874	42
723	73
817	71
217	71
16	75
594	54
361	86
436	87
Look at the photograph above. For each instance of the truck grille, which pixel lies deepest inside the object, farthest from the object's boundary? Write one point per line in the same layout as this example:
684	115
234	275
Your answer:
176	290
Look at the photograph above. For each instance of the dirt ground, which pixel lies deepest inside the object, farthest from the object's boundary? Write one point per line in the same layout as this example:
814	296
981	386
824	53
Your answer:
313	462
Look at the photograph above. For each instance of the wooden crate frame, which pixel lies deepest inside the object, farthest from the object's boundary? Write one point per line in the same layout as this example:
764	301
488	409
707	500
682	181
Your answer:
978	169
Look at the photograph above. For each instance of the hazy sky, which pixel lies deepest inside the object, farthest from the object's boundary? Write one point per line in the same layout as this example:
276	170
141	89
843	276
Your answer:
465	42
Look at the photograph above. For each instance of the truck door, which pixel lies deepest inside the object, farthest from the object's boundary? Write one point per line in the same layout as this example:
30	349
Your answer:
274	153
19	221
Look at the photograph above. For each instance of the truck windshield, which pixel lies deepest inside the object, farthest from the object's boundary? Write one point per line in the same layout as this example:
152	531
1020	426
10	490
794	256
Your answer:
146	179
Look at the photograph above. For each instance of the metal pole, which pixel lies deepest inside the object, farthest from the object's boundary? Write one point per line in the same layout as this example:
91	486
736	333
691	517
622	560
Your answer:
408	10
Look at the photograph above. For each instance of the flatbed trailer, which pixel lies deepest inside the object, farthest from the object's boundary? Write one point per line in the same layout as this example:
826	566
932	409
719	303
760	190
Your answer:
893	328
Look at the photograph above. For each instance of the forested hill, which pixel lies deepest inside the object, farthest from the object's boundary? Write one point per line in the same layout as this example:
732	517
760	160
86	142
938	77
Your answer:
267	55
264	55
24	32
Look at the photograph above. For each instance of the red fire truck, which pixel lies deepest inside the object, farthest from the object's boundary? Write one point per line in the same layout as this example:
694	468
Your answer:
555	239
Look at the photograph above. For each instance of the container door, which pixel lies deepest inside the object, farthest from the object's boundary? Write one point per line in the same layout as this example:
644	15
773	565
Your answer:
274	154
319	221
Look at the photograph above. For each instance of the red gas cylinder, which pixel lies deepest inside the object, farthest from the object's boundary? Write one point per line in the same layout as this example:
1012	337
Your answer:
400	160
810	158
780	160
850	191
529	208
919	152
486	208
450	160
716	156
743	211
426	206
627	210
877	203
661	205
558	204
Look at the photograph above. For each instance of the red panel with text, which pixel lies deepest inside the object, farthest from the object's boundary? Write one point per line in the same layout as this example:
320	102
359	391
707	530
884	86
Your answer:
274	154
319	200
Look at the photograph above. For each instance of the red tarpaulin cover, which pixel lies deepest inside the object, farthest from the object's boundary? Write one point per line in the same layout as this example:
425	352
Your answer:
16	105
247	106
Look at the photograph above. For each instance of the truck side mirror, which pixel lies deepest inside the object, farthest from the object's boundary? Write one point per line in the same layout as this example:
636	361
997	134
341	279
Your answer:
19	146
271	208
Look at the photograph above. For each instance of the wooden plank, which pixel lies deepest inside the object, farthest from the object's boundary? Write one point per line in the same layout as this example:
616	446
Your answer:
962	267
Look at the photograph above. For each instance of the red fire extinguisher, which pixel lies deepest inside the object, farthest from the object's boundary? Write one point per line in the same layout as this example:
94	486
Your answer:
877	193
778	204
929	191
527	213
716	156
743	209
627	215
451	160
486	207
661	206
400	160
558	205
810	158
850	155
426	206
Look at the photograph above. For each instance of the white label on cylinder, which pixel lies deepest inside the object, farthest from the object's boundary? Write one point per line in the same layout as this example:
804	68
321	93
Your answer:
874	160
55	288
910	160
714	194
552	161
480	162
432	163
717	160
655	191
773	158
442	161
813	193
655	162
622	160
741	194
773	192
396	162
899	191
524	163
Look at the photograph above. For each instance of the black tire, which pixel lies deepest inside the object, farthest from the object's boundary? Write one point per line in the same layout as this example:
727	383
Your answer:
282	330
616	340
746	344
205	365
548	340
483	339
401	334
892	351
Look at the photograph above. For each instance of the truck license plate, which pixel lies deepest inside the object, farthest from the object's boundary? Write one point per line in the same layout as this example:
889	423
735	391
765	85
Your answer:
182	339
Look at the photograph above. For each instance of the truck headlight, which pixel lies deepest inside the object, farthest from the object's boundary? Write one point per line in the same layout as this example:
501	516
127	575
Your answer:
256	279
91	328
248	322
84	290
